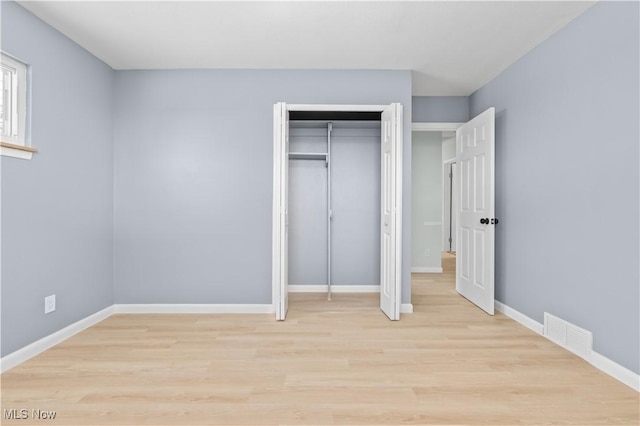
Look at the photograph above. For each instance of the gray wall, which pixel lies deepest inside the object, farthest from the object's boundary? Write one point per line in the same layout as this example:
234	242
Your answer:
440	109
57	211
193	176
356	177
426	179
567	132
355	198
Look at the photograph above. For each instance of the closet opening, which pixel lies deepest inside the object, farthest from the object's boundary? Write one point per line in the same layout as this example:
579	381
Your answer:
337	206
334	206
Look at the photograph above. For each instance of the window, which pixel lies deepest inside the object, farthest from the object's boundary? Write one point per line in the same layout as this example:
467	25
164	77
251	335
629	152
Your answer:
13	109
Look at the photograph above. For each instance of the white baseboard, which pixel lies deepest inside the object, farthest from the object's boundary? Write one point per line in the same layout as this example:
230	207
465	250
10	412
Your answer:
13	359
322	288
406	308
36	348
188	308
21	355
615	370
519	317
426	270
599	361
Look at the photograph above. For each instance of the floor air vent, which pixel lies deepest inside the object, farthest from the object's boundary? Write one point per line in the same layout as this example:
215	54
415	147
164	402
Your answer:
569	336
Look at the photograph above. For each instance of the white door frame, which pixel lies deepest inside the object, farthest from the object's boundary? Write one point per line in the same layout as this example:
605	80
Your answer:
435	127
277	189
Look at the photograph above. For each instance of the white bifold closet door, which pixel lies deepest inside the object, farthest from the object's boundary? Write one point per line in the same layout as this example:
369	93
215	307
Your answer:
280	267
391	212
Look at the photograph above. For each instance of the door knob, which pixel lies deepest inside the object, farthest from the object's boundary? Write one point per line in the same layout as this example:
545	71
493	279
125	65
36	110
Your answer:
494	221
484	220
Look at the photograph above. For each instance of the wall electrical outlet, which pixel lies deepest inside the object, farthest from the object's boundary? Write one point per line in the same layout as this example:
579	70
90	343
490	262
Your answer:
427	253
49	304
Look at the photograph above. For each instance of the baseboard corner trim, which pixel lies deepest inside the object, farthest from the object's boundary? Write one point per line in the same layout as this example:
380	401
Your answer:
615	370
192	308
426	270
406	308
39	346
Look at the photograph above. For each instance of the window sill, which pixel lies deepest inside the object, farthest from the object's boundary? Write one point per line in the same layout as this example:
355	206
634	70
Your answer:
16	151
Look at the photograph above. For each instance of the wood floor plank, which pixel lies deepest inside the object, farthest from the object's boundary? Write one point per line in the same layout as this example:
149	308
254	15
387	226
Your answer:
338	362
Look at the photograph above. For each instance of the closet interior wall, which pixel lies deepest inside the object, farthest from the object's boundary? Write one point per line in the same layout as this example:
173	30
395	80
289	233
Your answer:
353	169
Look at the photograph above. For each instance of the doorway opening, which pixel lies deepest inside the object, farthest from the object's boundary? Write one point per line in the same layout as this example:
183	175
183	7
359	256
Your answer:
466	200
433	198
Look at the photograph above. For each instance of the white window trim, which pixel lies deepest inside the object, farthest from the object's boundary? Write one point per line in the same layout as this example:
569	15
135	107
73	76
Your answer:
18	146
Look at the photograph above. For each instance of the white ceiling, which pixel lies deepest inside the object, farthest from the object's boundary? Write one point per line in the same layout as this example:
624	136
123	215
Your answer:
453	48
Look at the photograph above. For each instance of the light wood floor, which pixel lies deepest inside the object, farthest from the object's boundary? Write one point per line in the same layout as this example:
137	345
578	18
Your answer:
339	362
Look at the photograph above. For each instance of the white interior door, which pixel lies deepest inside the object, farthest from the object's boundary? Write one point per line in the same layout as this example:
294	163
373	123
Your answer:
476	221
280	252
391	214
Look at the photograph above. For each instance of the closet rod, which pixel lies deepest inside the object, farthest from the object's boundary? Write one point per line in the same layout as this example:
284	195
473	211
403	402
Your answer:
329	212
308	156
